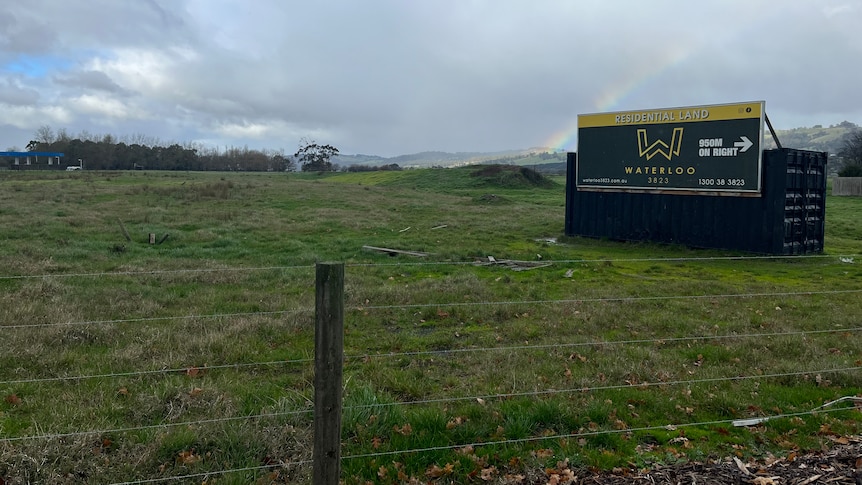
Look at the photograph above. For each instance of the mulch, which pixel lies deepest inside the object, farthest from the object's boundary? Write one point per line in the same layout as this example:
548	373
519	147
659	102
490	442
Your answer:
840	465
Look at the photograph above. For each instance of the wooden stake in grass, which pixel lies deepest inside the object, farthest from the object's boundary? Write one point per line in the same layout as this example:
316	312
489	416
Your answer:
328	360
125	232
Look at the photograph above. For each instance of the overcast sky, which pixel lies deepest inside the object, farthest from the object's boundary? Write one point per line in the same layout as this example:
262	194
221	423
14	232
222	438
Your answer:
392	77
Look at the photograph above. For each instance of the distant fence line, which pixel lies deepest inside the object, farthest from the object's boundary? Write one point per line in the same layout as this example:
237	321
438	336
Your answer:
851	186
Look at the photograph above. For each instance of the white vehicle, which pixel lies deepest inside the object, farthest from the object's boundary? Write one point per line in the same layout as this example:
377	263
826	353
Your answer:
72	168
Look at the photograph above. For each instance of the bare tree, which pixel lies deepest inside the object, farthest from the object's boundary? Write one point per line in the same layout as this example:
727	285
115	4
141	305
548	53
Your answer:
63	135
44	134
851	152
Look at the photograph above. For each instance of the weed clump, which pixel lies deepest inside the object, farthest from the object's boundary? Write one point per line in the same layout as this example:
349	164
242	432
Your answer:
492	199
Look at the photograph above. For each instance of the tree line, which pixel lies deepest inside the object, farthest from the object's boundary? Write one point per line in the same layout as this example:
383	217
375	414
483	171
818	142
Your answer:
139	152
107	152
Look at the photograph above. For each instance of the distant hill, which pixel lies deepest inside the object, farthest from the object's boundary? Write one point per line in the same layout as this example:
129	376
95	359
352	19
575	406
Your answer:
549	160
530	156
817	138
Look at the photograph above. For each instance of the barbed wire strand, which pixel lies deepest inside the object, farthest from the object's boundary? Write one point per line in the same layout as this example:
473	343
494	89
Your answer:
426	263
586	434
217	472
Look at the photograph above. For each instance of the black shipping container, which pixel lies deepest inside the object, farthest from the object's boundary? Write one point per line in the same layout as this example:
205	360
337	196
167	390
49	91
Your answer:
788	217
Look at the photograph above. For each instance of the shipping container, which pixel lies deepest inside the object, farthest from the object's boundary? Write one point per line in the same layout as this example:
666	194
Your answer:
787	217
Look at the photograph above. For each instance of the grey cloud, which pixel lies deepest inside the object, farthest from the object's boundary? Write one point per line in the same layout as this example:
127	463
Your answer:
90	80
388	77
24	34
51	26
13	94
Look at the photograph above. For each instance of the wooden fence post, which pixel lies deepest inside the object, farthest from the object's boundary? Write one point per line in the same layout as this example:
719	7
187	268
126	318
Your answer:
328	360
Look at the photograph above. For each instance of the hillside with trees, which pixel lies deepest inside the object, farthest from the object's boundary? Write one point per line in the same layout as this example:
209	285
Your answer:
817	138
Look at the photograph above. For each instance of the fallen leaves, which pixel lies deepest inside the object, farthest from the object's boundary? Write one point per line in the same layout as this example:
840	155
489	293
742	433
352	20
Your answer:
188	457
194	372
455	422
436	472
543	454
560	475
686	409
405	430
577	356
488	474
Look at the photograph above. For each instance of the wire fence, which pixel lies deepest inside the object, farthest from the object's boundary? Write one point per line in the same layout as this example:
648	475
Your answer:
292	407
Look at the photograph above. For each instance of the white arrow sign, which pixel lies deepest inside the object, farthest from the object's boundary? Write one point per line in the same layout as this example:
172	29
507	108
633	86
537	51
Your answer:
743	145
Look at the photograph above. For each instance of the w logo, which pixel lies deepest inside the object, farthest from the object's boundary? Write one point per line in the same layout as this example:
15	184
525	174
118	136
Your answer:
659	146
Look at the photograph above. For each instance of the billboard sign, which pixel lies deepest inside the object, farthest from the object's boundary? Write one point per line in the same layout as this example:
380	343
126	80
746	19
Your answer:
711	149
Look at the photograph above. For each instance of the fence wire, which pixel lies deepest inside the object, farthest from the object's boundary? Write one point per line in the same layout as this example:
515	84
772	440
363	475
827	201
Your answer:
487	397
215	473
365	357
616	299
585	434
157	319
53	436
426	263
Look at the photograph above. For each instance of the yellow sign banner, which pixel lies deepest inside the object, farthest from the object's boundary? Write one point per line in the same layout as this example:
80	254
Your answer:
691	114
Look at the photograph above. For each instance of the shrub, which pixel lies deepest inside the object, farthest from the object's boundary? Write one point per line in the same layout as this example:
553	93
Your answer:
851	170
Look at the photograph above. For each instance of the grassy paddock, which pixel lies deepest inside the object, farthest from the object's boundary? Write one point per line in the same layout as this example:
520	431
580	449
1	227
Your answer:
122	360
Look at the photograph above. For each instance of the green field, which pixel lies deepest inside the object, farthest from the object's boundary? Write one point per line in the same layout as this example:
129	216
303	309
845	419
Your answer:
123	361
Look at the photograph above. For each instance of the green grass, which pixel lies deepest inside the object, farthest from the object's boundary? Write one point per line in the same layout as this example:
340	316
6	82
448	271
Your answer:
582	363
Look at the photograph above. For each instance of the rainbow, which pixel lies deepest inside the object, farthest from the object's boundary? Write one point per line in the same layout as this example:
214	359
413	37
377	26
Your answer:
615	95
